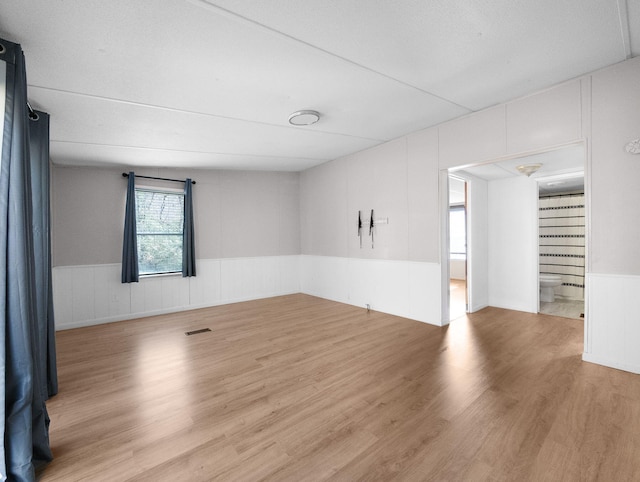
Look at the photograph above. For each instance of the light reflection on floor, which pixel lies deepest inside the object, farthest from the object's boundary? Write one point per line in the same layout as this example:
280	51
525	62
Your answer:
457	298
162	368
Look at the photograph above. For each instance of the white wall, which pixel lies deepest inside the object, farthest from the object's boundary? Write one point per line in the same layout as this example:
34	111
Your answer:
614	174
458	269
473	138
404	288
513	241
400	272
612	334
612	329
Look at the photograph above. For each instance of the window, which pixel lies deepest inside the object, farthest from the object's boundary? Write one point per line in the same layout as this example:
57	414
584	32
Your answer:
159	223
458	232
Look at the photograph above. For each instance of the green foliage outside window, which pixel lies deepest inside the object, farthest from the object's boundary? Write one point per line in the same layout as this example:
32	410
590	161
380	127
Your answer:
159	221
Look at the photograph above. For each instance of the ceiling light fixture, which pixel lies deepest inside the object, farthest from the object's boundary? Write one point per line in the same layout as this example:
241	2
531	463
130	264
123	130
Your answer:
304	118
528	169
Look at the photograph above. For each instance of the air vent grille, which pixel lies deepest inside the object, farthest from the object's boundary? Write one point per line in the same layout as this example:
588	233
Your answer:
196	332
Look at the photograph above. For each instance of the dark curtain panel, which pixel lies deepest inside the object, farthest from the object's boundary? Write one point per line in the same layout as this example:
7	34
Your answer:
188	241
24	346
39	155
130	243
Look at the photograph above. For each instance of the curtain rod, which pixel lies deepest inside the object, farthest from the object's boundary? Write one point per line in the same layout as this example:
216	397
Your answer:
125	174
32	113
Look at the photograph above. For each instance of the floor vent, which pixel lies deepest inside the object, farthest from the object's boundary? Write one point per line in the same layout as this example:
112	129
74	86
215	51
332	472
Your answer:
195	332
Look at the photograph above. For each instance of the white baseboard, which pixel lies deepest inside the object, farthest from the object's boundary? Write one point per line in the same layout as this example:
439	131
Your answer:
610	363
474	309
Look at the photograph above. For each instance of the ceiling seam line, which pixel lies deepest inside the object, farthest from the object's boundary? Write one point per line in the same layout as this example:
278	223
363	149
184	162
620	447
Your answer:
204	114
625	31
184	150
320	49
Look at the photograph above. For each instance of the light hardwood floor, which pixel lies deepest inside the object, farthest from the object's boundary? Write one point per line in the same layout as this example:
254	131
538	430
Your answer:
299	388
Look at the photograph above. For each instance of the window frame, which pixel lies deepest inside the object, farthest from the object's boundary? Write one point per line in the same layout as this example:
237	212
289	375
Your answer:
160	190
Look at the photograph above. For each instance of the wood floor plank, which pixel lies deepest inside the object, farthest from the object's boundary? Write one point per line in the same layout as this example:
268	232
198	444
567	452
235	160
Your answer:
299	388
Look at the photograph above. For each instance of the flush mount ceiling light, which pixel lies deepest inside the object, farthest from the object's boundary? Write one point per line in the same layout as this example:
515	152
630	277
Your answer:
633	147
304	118
528	169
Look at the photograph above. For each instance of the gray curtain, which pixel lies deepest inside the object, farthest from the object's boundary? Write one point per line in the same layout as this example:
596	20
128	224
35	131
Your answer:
188	242
130	242
27	352
40	194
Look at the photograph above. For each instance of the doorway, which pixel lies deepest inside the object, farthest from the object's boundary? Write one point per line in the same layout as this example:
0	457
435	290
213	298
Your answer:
502	229
458	300
562	234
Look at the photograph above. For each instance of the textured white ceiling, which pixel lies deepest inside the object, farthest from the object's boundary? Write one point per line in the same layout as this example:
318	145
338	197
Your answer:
211	83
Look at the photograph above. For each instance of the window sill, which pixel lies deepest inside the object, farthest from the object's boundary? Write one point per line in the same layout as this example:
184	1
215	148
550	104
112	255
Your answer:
160	275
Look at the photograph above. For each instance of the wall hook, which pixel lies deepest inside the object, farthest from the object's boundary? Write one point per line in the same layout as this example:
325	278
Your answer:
372	225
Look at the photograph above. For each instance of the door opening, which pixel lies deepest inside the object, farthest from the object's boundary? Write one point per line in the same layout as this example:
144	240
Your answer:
458	299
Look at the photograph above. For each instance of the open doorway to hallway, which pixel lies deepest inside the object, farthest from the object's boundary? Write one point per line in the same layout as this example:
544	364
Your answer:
457	247
504	257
